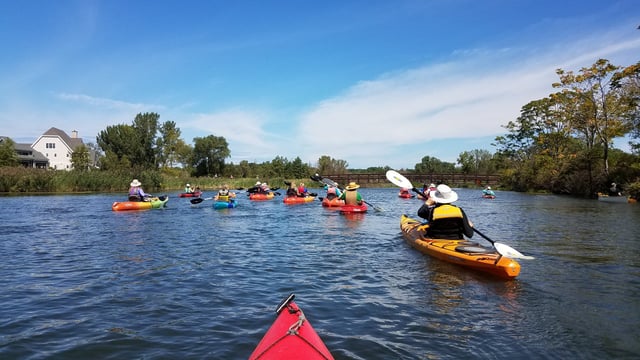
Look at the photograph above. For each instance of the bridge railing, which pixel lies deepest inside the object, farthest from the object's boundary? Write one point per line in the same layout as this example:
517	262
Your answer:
451	179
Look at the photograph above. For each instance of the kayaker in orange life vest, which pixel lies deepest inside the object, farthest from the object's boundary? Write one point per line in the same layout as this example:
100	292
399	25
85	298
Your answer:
446	221
350	195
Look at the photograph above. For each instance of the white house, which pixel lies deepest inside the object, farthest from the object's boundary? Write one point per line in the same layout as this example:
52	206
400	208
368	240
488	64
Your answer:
57	146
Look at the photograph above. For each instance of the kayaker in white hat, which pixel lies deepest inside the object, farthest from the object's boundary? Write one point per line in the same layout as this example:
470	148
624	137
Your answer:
188	189
446	221
136	193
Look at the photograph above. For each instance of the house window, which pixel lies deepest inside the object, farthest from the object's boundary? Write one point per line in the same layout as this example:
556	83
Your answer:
50	145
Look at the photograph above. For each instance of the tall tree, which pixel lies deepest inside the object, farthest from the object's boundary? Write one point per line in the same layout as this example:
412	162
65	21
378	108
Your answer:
329	165
146	126
80	159
168	143
8	156
432	165
119	143
209	154
600	110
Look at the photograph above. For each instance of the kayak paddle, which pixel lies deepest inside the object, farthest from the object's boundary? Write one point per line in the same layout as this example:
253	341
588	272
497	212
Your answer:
505	250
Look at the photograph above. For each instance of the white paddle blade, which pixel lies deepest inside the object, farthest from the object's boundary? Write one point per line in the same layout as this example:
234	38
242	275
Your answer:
397	179
508	251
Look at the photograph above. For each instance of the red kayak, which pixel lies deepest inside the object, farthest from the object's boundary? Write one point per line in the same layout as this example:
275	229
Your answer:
193	194
291	336
350	209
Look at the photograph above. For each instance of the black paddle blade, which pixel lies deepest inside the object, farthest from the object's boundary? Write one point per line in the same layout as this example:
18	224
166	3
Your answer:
288	183
316	177
196	200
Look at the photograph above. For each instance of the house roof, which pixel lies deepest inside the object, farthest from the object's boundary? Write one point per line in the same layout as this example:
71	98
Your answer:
35	155
73	143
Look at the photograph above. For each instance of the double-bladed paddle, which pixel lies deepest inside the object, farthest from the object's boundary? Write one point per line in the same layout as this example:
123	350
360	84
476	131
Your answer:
503	249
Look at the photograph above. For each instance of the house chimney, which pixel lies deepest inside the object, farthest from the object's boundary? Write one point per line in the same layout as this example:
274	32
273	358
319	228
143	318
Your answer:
74	134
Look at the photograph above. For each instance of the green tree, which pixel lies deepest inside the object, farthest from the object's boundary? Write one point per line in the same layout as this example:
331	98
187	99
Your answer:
329	165
119	143
600	111
432	165
168	143
146	127
209	154
476	162
8	156
80	159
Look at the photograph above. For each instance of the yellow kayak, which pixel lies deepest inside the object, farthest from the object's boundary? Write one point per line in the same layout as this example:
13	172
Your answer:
461	252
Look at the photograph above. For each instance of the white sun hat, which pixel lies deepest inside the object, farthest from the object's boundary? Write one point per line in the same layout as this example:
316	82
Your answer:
444	194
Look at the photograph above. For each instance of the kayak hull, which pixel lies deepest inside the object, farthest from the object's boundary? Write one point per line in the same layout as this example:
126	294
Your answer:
155	203
616	199
488	196
335	202
405	195
354	209
225	204
298	199
460	252
193	194
291	336
261	196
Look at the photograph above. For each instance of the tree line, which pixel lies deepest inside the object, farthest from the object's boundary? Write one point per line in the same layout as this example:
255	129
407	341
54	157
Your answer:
562	143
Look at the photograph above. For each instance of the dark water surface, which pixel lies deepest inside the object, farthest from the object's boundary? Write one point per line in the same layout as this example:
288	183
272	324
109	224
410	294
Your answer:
79	281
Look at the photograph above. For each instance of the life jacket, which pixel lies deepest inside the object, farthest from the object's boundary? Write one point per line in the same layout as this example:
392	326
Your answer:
223	197
351	198
292	192
134	194
446	222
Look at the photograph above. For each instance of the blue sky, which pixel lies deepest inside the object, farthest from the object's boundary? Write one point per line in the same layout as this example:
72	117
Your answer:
375	83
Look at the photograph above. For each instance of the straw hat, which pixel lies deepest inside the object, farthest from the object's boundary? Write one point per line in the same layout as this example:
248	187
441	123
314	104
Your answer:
444	194
135	182
352	186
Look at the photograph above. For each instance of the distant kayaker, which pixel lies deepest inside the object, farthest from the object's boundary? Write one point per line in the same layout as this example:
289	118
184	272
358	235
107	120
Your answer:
427	189
333	192
351	196
302	190
614	190
446	221
188	189
488	192
224	194
292	191
136	193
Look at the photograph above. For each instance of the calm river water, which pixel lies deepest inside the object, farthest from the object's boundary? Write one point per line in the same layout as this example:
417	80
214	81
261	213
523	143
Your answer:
79	281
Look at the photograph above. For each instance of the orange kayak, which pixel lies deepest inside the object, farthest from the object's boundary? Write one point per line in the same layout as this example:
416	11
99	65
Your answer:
155	203
261	196
291	336
298	199
335	202
460	252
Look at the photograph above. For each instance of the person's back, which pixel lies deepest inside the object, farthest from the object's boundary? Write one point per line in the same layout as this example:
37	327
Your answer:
445	221
350	195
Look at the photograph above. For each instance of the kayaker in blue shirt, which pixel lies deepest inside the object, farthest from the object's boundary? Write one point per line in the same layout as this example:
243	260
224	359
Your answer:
488	191
445	221
136	193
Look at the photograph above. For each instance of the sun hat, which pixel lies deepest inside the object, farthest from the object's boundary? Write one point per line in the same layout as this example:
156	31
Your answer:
188	185
135	182
444	194
352	186
257	183
488	187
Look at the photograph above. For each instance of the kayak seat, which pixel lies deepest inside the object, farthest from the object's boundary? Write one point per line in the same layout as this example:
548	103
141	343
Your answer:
474	249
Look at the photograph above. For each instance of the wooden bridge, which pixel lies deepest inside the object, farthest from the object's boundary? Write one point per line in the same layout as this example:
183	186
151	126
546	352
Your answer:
451	179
